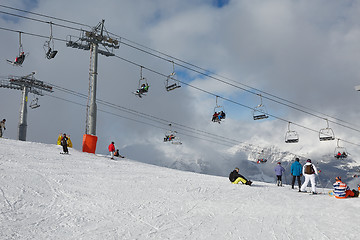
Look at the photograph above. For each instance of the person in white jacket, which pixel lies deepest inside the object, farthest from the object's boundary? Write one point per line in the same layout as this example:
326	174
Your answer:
309	171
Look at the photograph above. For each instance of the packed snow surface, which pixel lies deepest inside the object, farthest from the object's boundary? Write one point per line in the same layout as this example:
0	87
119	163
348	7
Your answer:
47	195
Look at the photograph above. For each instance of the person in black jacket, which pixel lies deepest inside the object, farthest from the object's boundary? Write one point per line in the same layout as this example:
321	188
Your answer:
235	177
64	143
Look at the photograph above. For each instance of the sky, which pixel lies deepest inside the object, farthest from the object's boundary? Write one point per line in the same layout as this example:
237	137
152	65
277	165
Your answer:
304	52
47	195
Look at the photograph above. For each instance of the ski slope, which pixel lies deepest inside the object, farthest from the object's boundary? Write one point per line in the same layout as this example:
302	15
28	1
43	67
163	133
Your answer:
47	195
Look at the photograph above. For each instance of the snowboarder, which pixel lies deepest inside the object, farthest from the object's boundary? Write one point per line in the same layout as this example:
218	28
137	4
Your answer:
112	150
341	190
117	154
296	173
309	171
279	171
64	143
2	126
235	177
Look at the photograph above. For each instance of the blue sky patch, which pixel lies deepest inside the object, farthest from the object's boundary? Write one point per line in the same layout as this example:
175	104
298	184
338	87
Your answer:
220	3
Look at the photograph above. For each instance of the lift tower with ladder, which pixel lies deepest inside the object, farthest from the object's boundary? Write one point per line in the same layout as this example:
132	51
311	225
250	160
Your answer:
90	40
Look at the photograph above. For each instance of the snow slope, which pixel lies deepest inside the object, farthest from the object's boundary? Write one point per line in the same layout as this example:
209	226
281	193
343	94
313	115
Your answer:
47	195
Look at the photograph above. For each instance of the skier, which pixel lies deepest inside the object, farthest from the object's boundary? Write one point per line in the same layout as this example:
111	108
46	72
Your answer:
279	171
296	173
341	190
112	150
2	126
235	177
64	143
309	171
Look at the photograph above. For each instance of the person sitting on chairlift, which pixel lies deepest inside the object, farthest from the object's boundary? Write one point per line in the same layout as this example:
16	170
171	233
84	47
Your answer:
169	137
215	117
144	88
20	59
221	115
51	54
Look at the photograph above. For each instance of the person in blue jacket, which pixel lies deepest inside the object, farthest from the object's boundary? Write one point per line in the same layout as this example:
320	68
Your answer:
279	171
296	173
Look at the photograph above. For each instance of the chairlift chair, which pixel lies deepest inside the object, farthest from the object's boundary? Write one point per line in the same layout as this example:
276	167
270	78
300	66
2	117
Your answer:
19	60
291	136
143	86
260	112
34	103
219	113
326	134
261	157
50	53
170	136
171	82
340	152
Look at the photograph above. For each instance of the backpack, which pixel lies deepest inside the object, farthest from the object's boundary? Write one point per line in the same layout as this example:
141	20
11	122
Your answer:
309	169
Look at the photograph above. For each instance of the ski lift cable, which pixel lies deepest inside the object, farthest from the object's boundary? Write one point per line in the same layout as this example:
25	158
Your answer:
142	122
252	92
166	128
211	75
32	34
186	84
42	15
166	121
149	117
229	100
187	67
208	75
42	21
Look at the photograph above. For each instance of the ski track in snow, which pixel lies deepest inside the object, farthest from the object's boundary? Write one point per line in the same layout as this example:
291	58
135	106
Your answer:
46	195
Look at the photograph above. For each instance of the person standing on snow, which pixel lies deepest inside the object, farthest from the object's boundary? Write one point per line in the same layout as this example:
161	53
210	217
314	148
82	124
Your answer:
296	173
2	126
341	190
64	143
309	171
235	177
112	150
279	171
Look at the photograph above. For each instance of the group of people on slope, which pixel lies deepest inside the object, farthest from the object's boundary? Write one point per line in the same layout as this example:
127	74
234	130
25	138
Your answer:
309	171
113	152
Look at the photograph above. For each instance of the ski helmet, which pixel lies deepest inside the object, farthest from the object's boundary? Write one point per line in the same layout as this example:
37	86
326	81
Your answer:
308	160
338	178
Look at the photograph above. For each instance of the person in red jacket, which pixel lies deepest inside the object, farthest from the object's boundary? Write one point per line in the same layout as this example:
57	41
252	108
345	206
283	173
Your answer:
112	150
